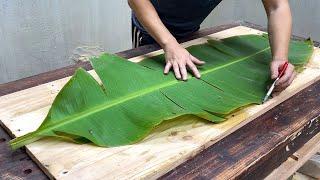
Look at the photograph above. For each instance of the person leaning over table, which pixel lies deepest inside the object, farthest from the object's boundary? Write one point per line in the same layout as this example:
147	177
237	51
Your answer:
164	21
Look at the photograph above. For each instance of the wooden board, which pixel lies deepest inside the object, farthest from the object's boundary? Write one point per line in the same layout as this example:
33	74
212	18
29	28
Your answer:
167	146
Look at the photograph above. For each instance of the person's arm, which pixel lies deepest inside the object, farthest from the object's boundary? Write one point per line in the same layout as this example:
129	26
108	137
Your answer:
176	56
279	29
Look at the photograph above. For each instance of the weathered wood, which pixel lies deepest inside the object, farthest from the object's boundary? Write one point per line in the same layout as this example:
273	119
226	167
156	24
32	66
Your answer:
256	149
17	164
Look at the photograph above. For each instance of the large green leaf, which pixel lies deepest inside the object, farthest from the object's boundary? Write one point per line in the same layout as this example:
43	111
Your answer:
134	98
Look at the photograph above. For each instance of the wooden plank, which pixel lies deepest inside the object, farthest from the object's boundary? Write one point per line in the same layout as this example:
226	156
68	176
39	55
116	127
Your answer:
168	145
299	158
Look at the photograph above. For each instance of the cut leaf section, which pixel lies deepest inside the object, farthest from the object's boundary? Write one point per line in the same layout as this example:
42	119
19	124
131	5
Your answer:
134	98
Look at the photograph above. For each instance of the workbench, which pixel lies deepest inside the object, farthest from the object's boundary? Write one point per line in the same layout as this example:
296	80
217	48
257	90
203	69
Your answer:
251	152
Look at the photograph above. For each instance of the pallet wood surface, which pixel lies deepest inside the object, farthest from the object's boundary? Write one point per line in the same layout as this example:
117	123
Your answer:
167	146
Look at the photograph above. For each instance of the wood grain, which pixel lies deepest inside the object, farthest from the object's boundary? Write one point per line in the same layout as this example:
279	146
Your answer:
168	145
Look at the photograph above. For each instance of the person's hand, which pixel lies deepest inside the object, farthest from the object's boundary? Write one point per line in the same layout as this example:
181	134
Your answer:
287	77
179	59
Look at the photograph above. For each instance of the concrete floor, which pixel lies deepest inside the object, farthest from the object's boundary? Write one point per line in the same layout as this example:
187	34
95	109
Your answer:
311	169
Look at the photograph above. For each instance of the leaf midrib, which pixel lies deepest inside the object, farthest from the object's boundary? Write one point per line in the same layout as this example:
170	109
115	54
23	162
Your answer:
115	102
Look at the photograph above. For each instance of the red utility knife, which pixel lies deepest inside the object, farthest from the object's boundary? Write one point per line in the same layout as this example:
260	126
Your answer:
281	72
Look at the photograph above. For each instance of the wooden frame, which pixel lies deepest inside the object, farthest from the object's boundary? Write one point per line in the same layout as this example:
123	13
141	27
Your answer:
262	145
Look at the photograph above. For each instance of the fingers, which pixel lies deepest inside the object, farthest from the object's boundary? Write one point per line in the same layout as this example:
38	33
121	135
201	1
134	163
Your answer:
179	64
183	71
196	60
286	79
167	68
194	69
176	70
191	64
291	79
287	83
274	69
286	76
180	69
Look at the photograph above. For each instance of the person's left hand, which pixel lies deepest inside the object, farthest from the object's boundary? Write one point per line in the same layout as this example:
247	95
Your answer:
287	77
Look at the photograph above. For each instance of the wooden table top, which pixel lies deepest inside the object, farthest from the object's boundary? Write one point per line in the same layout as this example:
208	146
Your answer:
252	151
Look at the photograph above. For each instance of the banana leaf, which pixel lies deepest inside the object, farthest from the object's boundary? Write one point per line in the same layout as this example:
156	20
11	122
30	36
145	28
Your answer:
134	98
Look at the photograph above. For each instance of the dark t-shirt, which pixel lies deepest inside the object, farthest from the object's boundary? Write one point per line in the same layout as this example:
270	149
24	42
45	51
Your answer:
181	17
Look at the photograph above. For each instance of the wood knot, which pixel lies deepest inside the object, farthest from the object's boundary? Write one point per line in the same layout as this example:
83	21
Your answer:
173	133
187	138
27	171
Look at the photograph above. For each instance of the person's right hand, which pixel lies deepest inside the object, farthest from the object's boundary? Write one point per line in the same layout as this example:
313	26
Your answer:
288	76
179	59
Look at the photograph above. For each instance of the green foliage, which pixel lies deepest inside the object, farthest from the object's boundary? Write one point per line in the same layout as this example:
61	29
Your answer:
134	98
